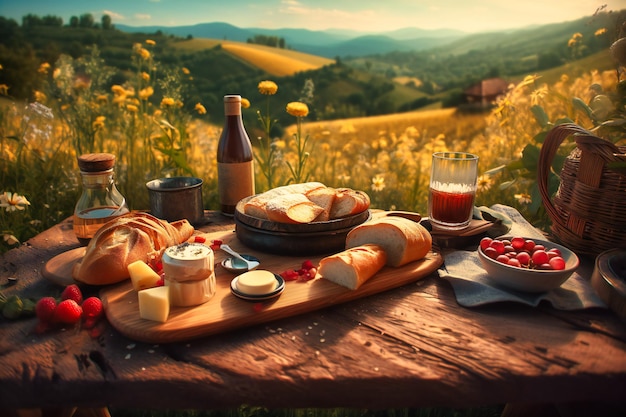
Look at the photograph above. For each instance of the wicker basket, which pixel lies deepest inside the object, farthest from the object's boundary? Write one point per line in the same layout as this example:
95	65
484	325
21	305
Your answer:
589	209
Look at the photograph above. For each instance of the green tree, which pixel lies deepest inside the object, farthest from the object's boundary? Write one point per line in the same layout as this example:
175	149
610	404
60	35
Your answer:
107	22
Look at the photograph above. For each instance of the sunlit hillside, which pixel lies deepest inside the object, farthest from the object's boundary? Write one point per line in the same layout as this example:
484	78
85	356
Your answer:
275	61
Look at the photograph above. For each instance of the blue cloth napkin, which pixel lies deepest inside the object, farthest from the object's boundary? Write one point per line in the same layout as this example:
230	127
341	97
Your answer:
472	287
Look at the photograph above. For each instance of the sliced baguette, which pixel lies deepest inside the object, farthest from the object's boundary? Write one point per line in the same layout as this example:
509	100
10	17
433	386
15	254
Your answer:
353	267
404	240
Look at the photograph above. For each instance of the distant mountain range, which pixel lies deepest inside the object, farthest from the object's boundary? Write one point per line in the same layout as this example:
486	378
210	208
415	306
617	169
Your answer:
330	43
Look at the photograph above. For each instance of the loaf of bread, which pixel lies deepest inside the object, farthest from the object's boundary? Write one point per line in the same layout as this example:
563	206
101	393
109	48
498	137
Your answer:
353	267
349	202
329	203
124	240
404	240
256	205
292	208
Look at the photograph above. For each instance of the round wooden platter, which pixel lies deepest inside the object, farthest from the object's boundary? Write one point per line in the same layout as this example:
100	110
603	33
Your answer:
59	269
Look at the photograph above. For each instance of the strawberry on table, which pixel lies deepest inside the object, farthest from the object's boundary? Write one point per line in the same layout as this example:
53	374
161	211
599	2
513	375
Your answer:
92	308
72	292
68	312
44	309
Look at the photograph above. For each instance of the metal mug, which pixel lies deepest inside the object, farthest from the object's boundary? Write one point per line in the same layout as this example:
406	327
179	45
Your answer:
176	198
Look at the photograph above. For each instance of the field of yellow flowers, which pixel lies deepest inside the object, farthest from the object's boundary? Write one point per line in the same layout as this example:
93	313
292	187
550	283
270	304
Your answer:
386	156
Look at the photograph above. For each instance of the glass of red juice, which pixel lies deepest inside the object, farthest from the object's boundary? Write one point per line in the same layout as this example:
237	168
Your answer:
452	190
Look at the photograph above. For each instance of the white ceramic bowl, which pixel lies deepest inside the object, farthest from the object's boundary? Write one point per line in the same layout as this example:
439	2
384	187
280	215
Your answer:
530	280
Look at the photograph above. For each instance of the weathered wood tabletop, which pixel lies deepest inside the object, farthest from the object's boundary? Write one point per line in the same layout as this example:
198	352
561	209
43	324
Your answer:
408	347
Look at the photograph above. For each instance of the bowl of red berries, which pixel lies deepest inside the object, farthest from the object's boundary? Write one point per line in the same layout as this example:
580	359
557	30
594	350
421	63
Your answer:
526	264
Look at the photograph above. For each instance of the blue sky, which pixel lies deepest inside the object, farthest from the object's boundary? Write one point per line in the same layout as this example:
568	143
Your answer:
360	15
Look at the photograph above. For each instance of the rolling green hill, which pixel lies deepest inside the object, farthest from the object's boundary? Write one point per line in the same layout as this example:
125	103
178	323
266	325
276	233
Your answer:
342	88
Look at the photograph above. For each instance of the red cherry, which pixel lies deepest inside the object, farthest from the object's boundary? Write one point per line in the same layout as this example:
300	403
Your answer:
523	258
498	246
540	257
484	242
491	253
518	243
557	263
529	245
503	259
515	262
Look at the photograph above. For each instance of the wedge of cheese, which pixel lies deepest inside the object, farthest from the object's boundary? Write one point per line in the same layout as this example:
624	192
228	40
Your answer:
142	276
154	303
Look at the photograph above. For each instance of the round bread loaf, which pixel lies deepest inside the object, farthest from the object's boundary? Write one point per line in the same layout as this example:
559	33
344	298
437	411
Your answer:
402	239
124	240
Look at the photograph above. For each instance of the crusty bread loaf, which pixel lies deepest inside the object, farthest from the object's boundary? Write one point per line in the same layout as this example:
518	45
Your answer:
349	202
124	240
256	205
292	208
404	240
334	203
353	267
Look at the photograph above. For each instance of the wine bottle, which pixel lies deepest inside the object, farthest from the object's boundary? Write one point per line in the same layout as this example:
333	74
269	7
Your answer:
235	164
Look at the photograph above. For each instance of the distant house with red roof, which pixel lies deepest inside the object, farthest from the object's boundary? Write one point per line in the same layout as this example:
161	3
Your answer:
485	93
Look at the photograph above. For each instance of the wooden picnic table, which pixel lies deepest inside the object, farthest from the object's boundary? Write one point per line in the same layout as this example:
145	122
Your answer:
413	346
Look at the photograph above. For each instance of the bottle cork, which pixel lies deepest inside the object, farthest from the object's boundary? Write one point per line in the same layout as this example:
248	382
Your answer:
96	162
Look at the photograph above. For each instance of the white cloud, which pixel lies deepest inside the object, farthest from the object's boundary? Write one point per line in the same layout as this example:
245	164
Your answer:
142	16
114	15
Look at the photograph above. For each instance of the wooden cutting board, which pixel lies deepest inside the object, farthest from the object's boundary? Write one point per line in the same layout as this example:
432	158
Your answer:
225	312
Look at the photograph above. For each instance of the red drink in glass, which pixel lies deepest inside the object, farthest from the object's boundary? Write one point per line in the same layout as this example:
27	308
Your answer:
452	208
452	190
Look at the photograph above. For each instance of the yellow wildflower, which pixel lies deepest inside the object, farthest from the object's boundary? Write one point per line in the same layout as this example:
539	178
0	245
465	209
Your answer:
146	93
245	103
186	71
158	113
56	73
144	53
98	123
297	109
378	183
279	144
118	89
13	201
102	98
167	102
179	104
145	76
484	183
132	108
39	96
1	68
600	32
44	68
150	42
200	108
267	88
4	90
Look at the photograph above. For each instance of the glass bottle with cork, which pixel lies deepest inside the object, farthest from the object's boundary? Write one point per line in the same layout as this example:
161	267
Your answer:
235	162
100	200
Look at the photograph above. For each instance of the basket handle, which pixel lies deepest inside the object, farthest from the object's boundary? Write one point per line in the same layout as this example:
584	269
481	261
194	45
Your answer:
585	140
